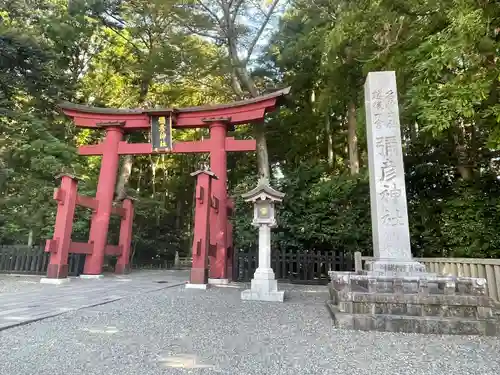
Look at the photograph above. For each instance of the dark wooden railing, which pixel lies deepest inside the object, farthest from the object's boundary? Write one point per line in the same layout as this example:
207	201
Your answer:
153	264
32	260
305	267
162	264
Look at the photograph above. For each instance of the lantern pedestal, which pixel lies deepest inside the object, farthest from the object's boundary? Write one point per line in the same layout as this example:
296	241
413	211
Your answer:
264	287
263	290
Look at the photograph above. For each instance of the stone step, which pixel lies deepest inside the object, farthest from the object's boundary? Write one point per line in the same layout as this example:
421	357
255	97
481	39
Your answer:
415	324
424	310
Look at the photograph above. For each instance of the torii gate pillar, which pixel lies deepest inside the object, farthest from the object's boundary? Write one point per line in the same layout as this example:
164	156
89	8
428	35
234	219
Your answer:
218	165
105	191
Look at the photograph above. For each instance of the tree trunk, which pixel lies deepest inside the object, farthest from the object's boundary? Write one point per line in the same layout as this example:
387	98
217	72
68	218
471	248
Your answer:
123	179
132	255
154	169
352	139
139	179
179	205
241	79
463	145
363	160
30	238
413	132
466	172
262	155
329	140
128	160
259	128
465	165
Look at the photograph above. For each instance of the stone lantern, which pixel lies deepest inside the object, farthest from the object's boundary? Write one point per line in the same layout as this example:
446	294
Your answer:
264	286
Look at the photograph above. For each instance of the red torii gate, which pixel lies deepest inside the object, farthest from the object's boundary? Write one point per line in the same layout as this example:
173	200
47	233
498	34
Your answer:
117	122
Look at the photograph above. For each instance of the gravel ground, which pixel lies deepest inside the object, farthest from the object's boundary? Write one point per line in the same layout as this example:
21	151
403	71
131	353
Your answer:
178	331
14	283
11	283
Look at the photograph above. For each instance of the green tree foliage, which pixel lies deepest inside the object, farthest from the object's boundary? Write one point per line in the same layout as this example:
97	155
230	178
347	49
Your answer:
32	142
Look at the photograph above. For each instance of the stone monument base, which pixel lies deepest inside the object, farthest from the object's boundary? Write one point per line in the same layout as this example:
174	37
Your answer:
395	268
251	295
416	304
263	287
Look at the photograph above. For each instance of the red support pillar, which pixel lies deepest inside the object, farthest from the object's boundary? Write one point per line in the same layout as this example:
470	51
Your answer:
229	236
230	252
59	245
213	227
218	165
201	238
104	196
125	242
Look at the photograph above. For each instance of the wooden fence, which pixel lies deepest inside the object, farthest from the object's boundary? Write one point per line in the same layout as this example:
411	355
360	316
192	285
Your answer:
309	267
19	259
33	260
186	262
488	269
153	264
306	267
162	264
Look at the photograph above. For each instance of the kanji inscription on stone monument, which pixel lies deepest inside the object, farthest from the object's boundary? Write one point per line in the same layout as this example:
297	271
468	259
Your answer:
391	237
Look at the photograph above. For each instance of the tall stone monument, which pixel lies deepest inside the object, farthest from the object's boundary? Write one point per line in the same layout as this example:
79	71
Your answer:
395	293
390	230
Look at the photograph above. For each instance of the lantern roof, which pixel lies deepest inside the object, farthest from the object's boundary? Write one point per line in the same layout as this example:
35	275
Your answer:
263	191
65	174
205	170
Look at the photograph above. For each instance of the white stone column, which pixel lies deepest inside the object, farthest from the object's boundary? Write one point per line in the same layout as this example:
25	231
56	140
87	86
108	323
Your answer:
264	287
264	246
264	271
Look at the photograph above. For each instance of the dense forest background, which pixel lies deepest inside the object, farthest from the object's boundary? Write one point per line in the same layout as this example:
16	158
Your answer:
146	53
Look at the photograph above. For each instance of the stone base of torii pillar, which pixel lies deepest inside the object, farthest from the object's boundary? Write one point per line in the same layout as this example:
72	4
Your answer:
218	281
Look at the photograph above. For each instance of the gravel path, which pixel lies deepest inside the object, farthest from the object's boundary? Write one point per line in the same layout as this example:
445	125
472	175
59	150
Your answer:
27	303
178	331
14	284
